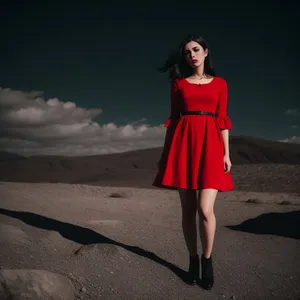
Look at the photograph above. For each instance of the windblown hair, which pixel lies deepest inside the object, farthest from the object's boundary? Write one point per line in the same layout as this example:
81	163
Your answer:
177	65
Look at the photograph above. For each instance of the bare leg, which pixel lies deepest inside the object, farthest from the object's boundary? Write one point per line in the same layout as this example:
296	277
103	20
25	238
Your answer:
207	228
207	220
189	211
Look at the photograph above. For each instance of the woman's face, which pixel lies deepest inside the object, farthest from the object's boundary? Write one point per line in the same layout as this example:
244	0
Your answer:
195	54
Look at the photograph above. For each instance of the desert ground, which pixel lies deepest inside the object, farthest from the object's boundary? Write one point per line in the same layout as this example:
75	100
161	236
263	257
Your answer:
126	243
95	228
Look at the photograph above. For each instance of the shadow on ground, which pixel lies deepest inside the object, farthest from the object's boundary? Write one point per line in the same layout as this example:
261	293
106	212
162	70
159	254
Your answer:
280	224
87	236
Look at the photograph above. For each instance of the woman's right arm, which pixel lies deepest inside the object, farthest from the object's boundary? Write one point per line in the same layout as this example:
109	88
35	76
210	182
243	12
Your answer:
172	120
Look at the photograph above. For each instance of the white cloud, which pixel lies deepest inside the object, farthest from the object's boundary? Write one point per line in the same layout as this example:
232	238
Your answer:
30	125
294	112
293	139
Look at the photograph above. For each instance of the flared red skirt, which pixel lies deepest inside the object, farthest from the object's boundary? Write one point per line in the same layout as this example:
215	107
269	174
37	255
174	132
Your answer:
195	156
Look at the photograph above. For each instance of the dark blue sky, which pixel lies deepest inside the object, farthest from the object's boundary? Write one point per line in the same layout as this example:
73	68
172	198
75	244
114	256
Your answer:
105	55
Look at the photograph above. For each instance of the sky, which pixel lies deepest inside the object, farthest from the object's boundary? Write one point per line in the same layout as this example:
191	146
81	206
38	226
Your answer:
81	79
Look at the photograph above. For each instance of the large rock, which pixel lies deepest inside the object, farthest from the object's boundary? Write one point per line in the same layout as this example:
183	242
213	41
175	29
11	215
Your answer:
34	285
12	235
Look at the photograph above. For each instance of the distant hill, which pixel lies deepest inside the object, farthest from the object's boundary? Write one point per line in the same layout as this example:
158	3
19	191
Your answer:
258	164
249	150
5	156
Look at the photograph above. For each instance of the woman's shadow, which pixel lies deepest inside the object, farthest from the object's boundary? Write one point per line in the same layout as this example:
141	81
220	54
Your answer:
87	236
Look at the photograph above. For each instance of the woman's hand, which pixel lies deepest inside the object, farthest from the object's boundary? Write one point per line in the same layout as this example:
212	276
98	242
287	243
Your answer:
227	163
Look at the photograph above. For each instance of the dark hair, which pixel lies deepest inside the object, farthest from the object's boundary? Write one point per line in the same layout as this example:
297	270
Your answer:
177	65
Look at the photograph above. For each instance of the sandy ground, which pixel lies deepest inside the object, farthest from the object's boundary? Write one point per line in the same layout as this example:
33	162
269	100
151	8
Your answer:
132	247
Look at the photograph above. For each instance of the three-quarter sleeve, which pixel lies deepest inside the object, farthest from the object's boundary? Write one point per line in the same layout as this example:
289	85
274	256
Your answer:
221	112
175	104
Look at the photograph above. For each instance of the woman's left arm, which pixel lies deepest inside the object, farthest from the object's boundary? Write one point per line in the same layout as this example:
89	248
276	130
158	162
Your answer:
225	136
224	123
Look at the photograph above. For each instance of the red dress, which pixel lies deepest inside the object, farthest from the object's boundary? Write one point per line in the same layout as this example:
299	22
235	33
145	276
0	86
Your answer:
194	157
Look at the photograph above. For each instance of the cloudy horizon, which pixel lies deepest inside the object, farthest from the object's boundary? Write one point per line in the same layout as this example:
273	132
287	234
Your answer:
32	125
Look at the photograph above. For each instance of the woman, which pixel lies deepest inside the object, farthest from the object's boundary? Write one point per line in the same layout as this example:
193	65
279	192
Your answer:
196	156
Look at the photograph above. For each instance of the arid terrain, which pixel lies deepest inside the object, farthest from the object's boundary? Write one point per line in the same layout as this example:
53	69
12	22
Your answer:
95	228
258	165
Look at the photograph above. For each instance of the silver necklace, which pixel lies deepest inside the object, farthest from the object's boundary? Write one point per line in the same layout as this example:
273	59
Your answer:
203	75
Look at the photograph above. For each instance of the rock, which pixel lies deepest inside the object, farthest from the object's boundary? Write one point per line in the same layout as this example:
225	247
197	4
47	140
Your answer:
105	222
13	235
34	285
255	201
103	249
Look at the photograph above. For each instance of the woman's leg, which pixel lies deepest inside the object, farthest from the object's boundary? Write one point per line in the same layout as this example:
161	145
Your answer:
188	200
207	219
207	228
189	226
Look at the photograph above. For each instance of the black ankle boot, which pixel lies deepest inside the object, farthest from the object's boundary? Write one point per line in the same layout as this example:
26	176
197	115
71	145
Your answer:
207	280
194	269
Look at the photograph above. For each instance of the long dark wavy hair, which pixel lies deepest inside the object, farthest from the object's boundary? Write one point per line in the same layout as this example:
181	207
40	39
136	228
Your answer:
177	65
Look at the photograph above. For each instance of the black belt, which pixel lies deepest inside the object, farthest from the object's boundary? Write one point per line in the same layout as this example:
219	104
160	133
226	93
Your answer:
197	112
